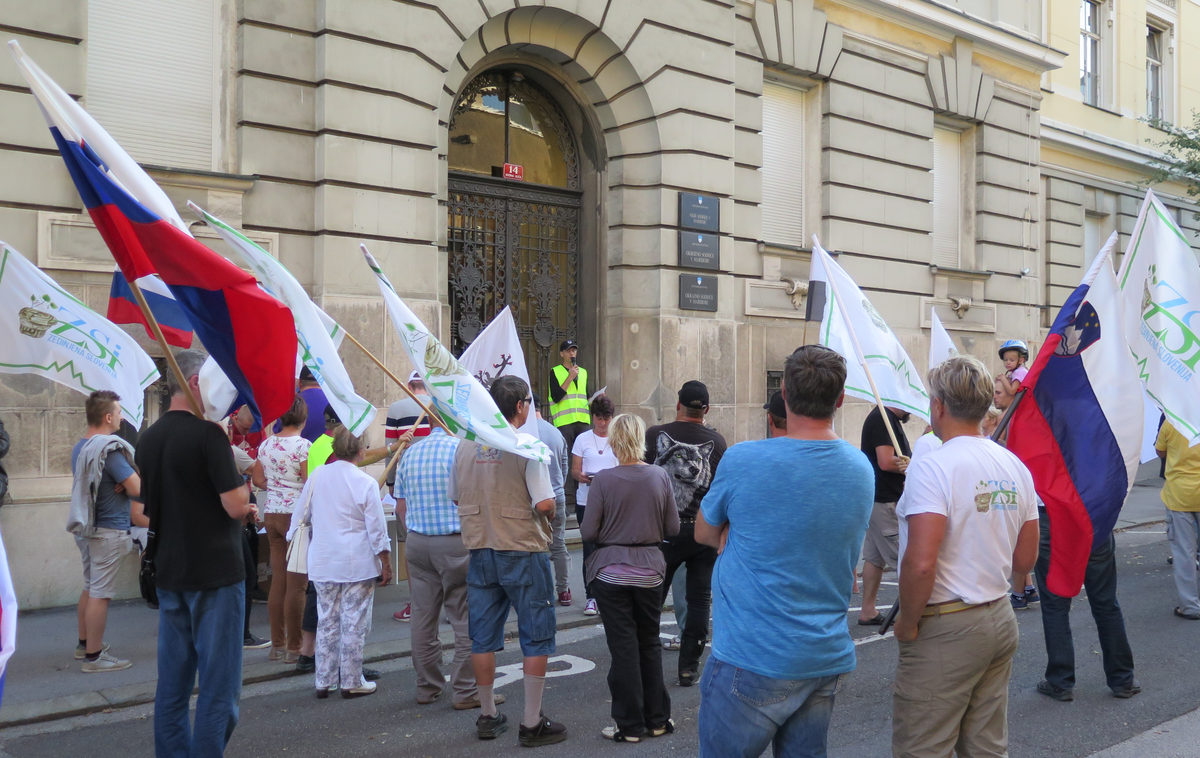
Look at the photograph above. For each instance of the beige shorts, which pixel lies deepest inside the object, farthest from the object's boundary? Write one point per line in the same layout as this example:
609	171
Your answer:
882	545
102	554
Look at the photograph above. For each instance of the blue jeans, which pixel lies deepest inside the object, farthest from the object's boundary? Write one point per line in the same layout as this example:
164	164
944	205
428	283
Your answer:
501	579
198	632
742	712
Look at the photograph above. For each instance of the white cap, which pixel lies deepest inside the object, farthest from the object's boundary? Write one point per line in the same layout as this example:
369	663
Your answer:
415	377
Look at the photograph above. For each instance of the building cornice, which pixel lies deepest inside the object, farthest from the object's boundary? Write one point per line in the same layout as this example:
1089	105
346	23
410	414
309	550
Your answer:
1071	139
946	23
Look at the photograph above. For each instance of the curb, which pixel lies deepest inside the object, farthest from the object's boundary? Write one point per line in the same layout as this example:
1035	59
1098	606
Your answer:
108	700
1139	525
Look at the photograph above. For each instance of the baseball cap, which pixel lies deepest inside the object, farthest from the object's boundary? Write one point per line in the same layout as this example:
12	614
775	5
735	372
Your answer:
693	394
567	345
415	377
306	374
776	405
331	417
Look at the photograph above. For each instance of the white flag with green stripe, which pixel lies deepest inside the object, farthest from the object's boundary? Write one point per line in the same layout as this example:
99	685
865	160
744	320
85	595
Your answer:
45	330
317	335
1160	295
465	406
895	375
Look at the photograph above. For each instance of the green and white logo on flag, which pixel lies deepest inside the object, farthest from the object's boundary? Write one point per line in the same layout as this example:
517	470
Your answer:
45	330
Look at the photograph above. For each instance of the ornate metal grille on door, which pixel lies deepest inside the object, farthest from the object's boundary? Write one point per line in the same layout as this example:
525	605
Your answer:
514	246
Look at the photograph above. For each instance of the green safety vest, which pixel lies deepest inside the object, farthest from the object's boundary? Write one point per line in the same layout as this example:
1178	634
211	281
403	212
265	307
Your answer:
319	452
574	405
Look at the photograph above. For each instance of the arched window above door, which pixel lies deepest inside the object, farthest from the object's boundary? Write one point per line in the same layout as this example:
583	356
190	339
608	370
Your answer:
503	118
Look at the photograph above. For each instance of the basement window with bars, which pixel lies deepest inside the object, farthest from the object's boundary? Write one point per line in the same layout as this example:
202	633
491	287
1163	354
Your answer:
783	165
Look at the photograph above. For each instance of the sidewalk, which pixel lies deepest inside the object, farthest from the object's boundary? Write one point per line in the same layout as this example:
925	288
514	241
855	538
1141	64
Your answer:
1144	505
43	681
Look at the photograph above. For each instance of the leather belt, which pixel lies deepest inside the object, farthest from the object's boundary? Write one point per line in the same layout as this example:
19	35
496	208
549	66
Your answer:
687	520
952	606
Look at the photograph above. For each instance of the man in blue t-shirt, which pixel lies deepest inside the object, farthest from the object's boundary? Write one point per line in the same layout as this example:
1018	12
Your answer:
788	515
101	551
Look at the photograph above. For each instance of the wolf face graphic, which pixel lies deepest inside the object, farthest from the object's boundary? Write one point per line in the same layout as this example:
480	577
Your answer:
687	466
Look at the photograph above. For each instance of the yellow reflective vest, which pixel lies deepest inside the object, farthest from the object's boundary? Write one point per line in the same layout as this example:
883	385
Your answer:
573	406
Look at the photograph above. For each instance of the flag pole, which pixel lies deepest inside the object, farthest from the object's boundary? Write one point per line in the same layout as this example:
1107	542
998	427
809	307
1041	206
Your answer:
432	417
862	361
162	342
1002	427
399	451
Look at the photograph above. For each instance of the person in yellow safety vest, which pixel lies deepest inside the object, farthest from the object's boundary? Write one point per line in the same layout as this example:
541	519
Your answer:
568	395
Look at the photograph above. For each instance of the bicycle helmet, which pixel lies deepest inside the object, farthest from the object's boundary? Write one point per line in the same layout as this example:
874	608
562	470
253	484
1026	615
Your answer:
1017	345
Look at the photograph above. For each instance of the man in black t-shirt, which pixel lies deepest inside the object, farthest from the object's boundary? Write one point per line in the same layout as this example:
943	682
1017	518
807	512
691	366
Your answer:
689	450
882	545
197	502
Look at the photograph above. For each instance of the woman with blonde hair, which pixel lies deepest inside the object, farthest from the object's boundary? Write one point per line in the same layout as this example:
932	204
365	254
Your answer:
630	510
347	556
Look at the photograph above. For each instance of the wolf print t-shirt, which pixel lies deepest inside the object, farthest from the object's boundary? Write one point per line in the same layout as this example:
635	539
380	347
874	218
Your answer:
986	495
690	453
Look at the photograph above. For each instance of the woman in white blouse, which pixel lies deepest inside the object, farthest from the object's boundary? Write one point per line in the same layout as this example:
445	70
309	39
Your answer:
281	471
347	557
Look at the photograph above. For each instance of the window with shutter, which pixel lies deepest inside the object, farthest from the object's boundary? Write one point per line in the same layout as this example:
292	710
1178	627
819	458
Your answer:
947	197
783	165
151	78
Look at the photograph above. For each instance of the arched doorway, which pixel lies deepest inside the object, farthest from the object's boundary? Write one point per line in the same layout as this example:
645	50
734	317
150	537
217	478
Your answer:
514	242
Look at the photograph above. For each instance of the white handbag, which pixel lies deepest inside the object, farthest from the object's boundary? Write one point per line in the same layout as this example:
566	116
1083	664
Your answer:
297	553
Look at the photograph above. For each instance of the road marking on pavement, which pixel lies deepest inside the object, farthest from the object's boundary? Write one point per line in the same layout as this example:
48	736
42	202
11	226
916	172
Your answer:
513	672
874	638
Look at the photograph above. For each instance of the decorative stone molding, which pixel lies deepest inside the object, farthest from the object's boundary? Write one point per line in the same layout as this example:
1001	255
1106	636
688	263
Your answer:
795	37
957	87
776	299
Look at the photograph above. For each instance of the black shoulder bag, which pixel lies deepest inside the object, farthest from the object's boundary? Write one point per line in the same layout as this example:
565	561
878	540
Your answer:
148	575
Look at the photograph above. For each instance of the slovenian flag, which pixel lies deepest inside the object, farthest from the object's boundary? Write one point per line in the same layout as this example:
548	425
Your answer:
249	333
123	308
1079	426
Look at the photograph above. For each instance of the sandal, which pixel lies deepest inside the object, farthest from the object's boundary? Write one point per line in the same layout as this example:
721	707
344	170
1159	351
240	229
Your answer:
615	734
877	621
1185	615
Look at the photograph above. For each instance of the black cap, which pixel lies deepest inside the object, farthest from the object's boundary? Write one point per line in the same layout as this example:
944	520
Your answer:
776	405
306	374
693	394
331	417
567	345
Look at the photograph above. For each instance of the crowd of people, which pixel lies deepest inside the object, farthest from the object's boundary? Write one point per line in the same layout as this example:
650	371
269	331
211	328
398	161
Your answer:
482	531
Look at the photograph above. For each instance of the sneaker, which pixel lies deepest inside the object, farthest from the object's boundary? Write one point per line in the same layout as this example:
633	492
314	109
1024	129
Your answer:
466	705
1032	597
661	729
1127	692
81	651
105	663
546	732
404	614
1019	603
491	727
1056	693
674	643
254	643
564	597
362	690
615	734
258	596
306	664
589	609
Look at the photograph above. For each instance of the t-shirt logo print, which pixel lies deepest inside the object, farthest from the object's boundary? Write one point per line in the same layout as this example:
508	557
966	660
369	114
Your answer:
983	497
687	466
994	494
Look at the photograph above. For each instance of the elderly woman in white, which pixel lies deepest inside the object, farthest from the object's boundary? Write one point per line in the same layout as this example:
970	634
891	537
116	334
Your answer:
347	557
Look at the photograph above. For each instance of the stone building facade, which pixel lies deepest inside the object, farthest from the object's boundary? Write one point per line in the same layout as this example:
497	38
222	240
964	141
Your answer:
908	134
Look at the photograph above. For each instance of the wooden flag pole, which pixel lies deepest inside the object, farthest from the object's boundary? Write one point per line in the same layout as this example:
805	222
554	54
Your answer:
399	451
1002	427
862	361
162	342
433	418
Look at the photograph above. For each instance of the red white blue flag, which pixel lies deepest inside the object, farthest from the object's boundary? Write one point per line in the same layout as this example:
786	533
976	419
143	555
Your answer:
123	308
249	333
1079	426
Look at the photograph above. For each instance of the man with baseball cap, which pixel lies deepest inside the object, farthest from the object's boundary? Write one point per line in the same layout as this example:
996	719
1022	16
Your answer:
776	415
689	450
569	395
402	418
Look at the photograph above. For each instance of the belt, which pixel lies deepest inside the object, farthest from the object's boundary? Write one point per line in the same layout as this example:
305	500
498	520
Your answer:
687	520
621	544
952	606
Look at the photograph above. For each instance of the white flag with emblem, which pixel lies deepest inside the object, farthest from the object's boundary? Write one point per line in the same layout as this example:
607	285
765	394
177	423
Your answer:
941	347
497	352
1159	284
895	376
45	330
463	403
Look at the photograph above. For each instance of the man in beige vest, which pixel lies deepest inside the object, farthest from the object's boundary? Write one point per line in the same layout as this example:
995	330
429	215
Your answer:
505	504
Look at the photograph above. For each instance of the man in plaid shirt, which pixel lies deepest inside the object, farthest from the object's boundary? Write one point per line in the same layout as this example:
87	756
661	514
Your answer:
437	567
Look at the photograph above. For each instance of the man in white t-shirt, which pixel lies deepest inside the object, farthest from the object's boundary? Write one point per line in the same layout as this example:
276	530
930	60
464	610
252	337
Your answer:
968	521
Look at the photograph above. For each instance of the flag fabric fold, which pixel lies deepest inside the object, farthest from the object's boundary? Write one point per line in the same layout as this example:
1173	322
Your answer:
123	308
941	346
45	330
1079	426
465	406
497	352
1159	284
249	333
316	345
895	375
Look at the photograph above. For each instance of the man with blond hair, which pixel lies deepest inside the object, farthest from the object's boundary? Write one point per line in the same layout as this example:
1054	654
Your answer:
968	521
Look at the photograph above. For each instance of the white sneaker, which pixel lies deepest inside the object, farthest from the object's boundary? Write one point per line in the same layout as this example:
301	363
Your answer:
365	688
590	609
674	643
81	652
104	663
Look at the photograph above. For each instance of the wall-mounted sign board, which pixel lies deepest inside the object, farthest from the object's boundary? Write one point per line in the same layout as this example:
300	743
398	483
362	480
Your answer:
699	212
697	250
697	293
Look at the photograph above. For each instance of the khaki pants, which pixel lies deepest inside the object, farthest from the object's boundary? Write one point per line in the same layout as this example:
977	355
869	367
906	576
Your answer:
951	688
438	568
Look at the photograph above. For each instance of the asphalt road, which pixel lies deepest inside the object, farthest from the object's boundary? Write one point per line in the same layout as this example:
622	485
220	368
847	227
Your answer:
284	719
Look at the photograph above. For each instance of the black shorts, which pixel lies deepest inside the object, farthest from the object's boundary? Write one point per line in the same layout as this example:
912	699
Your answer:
309	622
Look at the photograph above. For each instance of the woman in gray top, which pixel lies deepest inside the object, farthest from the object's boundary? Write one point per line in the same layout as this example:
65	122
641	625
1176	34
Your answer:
630	510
